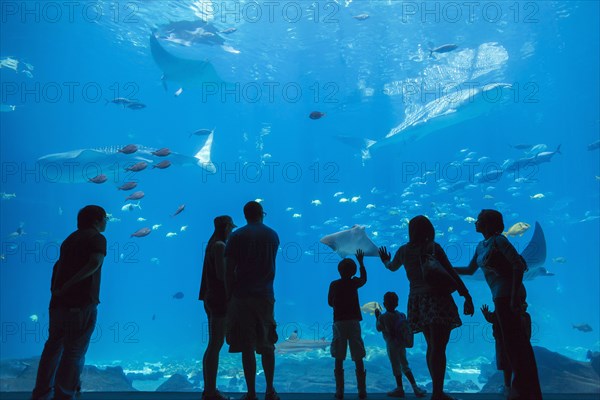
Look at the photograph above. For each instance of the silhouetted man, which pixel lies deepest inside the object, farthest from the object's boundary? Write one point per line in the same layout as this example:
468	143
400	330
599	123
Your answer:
250	270
75	296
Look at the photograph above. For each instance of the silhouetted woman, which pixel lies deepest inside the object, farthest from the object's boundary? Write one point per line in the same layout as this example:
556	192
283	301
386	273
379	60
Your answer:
433	313
212	292
503	268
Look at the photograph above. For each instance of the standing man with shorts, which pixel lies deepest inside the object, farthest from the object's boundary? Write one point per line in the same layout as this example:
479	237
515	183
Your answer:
249	273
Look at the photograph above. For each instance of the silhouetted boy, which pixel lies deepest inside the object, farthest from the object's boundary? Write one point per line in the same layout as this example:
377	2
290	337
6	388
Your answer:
396	340
343	297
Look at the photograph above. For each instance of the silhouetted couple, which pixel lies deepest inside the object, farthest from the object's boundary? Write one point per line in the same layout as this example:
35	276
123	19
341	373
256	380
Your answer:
237	290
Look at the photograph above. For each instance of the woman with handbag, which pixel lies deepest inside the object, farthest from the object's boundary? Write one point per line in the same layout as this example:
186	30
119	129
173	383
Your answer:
431	308
503	269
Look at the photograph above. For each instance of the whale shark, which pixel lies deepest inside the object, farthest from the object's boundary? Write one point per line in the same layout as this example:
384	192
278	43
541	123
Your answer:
345	243
187	73
77	166
446	111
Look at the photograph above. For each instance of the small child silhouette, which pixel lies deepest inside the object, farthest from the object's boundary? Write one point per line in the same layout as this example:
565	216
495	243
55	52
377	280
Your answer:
388	323
502	362
343	297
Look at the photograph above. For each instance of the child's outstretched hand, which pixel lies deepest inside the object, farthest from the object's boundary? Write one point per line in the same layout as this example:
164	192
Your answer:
360	255
485	310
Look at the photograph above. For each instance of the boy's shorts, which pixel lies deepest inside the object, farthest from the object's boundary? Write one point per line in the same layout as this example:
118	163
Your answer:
347	333
251	325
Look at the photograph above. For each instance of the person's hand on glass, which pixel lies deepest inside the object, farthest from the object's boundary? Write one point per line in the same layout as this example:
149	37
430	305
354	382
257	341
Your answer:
360	255
384	255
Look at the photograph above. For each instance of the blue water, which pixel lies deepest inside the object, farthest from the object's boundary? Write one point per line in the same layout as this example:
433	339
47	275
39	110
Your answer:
269	149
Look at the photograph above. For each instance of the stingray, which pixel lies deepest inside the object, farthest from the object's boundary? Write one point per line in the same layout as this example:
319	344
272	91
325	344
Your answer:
444	112
81	165
185	72
534	255
345	243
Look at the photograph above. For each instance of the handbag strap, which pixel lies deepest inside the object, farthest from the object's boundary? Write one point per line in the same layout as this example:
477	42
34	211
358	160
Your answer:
421	254
426	253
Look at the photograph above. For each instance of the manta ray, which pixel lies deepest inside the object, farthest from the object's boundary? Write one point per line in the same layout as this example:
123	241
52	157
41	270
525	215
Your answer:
345	243
446	111
81	165
185	72
534	255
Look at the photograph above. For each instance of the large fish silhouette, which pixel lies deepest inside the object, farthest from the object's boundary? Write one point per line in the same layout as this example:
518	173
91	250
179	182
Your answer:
444	112
345	243
81	165
185	72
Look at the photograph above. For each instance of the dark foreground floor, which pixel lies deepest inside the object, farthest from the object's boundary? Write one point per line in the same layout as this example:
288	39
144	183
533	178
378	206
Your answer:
284	396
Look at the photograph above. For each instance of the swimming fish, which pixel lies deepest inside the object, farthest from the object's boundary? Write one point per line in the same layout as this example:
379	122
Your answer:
583	328
163	164
135	195
361	17
316	115
443	113
161	152
127	186
109	158
293	344
129	149
443	49
345	243
141	232
7	107
178	295
139	166
131	206
135	106
179	210
8	196
517	229
99	179
370	307
121	101
202	132
186	72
